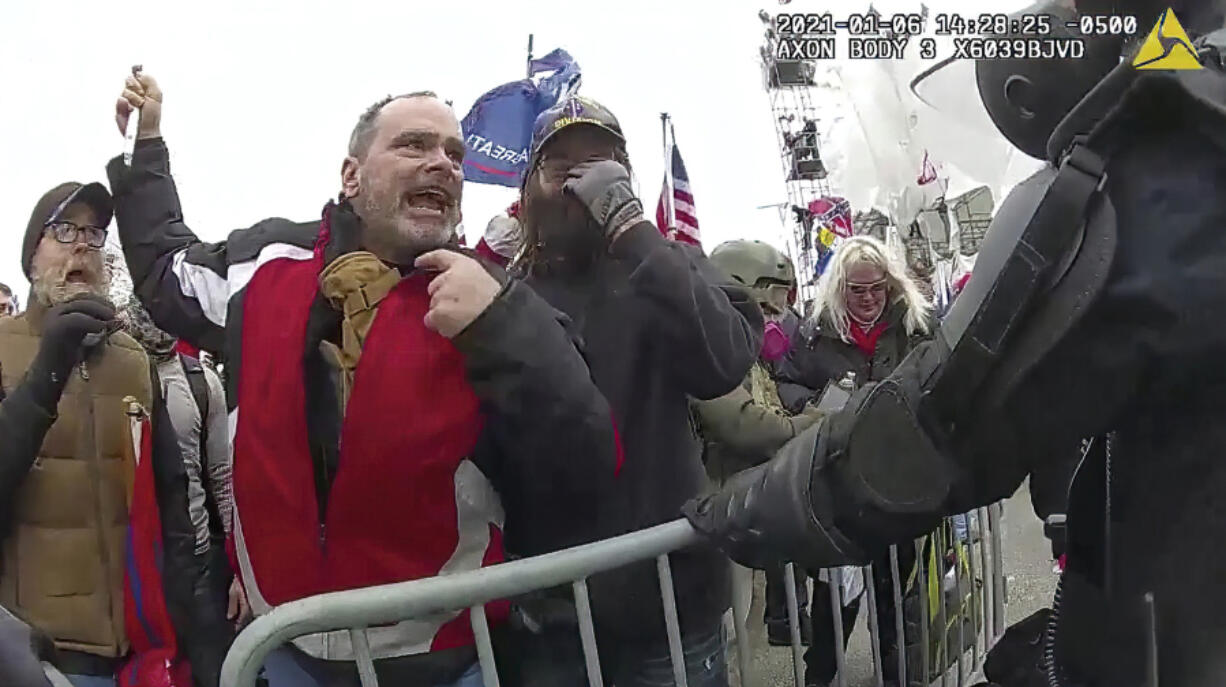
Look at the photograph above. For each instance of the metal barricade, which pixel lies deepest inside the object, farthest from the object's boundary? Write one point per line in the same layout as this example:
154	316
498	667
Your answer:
918	597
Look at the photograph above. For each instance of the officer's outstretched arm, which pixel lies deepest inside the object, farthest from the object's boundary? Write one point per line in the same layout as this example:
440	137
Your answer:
845	489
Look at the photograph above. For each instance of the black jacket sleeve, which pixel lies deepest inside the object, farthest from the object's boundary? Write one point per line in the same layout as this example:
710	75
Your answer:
545	418
23	426
710	329
180	279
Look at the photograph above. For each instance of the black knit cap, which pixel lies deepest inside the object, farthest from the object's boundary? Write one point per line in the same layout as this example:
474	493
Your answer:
52	205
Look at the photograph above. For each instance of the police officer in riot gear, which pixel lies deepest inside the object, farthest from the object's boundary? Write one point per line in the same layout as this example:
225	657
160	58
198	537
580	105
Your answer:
1095	310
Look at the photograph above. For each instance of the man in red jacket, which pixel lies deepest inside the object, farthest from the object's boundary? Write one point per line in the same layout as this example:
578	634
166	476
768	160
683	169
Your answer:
402	403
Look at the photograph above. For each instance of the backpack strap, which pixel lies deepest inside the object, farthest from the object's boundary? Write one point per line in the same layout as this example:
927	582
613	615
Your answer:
200	392
198	381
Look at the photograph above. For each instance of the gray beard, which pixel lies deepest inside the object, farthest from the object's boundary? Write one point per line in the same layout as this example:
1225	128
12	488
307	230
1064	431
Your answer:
381	236
54	294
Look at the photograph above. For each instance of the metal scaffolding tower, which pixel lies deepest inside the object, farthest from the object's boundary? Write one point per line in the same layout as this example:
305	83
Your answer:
790	87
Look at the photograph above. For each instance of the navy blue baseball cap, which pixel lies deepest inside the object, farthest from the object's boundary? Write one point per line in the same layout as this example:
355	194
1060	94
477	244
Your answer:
572	111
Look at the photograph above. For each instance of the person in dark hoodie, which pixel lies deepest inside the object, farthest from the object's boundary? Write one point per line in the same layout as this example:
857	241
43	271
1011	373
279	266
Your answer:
395	392
661	325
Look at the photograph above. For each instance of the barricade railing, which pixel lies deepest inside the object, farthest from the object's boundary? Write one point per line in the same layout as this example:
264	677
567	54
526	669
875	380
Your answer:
917	598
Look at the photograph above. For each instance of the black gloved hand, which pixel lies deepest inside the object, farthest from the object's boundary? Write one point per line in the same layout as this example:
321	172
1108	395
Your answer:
65	328
772	512
604	189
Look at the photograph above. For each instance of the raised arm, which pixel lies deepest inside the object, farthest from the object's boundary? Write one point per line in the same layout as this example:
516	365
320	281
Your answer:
180	279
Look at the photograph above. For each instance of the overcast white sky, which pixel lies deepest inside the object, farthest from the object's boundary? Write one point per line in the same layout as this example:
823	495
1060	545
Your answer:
260	95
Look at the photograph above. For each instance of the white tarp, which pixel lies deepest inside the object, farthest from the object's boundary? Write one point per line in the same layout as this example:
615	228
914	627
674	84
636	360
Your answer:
880	131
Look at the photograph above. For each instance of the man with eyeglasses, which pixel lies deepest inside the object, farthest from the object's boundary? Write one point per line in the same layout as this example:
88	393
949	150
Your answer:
65	456
8	302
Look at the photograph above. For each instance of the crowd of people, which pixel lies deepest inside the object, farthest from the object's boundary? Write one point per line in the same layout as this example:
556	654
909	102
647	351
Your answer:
379	403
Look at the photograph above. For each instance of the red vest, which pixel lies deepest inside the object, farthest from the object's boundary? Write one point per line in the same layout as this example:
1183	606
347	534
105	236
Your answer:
400	495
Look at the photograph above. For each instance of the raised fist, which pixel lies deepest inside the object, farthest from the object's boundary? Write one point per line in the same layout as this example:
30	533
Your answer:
140	92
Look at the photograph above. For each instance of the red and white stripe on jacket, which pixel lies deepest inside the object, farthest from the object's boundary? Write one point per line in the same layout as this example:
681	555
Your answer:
385	522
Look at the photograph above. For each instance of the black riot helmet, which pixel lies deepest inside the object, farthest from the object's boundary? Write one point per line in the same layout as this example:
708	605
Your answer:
1027	98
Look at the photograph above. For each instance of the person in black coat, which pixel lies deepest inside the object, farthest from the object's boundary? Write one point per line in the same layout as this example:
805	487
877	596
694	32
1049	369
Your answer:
661	325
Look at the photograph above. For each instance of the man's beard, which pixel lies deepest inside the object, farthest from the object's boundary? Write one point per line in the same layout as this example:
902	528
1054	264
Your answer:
563	230
51	287
398	239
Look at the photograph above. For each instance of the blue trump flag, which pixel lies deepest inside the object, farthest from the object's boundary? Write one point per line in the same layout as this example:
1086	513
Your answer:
498	128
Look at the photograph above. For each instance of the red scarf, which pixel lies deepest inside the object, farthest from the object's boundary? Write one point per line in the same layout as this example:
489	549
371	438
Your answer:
411	420
154	660
866	341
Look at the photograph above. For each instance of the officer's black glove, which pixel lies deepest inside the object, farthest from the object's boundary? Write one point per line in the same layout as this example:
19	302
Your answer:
64	343
770	513
604	189
843	490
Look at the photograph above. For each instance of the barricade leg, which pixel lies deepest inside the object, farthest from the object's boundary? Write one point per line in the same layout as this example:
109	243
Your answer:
961	619
485	647
798	659
366	664
976	598
874	632
899	622
742	599
921	568
671	622
836	600
998	572
989	587
587	634
940	547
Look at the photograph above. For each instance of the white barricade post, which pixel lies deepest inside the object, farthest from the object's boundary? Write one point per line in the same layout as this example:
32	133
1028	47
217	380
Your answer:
977	598
798	659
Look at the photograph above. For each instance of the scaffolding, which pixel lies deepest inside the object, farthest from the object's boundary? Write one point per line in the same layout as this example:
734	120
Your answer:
790	87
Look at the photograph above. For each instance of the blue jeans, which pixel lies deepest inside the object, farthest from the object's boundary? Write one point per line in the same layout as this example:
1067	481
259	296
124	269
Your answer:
285	667
90	681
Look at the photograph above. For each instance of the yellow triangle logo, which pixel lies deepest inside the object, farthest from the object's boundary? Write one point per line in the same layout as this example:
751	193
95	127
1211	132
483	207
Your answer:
1167	47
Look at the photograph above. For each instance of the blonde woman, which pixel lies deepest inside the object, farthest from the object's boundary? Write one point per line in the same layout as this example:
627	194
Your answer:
868	316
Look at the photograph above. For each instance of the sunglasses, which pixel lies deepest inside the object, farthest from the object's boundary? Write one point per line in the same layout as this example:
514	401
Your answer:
69	232
877	288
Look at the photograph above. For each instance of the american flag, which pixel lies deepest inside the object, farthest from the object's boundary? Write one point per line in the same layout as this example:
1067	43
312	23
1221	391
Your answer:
675	215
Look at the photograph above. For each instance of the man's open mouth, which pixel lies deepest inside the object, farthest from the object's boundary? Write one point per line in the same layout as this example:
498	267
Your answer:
76	277
432	199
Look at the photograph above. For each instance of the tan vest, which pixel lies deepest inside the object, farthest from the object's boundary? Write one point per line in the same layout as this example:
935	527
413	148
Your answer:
62	566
